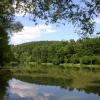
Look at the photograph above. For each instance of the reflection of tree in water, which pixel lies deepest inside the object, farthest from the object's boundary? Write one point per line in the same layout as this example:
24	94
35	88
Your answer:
5	75
19	90
93	89
63	83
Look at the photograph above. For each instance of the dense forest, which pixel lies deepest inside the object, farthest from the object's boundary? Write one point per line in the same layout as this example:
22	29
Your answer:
82	51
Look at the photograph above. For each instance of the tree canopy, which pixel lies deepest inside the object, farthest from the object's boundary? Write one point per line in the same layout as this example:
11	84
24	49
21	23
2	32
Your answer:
7	16
7	25
81	13
82	51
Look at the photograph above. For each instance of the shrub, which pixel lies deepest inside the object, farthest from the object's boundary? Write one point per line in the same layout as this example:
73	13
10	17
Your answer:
97	60
14	63
74	59
86	60
56	61
66	60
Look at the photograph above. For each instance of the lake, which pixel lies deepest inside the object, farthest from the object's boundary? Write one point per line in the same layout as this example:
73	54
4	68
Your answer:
25	87
19	90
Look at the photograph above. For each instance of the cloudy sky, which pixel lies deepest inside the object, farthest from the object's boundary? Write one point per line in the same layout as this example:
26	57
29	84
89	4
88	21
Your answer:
43	32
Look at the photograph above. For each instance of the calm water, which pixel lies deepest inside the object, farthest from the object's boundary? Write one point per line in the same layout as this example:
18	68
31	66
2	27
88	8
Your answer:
44	88
19	90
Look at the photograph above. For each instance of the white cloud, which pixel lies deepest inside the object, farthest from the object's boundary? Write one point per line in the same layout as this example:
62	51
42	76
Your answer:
31	33
97	20
19	14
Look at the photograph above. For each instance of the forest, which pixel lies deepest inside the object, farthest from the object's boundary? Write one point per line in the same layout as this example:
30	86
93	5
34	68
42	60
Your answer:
83	51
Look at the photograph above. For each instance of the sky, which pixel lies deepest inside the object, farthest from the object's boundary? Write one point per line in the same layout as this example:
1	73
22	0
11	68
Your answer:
42	32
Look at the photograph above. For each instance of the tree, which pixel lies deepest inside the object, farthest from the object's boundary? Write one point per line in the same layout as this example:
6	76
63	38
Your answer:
84	51
3	46
81	13
7	24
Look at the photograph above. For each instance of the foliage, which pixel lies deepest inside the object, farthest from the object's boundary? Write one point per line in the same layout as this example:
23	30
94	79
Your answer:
84	51
81	13
96	60
7	25
74	59
86	60
4	47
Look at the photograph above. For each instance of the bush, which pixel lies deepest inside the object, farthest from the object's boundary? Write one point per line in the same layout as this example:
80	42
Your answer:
74	59
66	60
56	61
86	60
14	63
96	60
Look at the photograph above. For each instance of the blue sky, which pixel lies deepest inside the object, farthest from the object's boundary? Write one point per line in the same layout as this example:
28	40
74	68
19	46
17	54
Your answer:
42	32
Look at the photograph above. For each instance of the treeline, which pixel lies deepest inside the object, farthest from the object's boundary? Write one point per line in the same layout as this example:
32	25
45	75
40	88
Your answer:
82	51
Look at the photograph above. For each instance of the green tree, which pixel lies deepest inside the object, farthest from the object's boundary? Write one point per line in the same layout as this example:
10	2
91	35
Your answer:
75	59
4	47
7	24
86	51
81	13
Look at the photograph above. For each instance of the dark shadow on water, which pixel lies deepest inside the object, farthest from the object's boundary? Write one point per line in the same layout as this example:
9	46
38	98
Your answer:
96	82
93	89
64	83
5	75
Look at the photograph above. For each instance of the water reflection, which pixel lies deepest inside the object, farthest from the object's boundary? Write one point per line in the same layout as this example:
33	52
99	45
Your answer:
5	75
19	90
